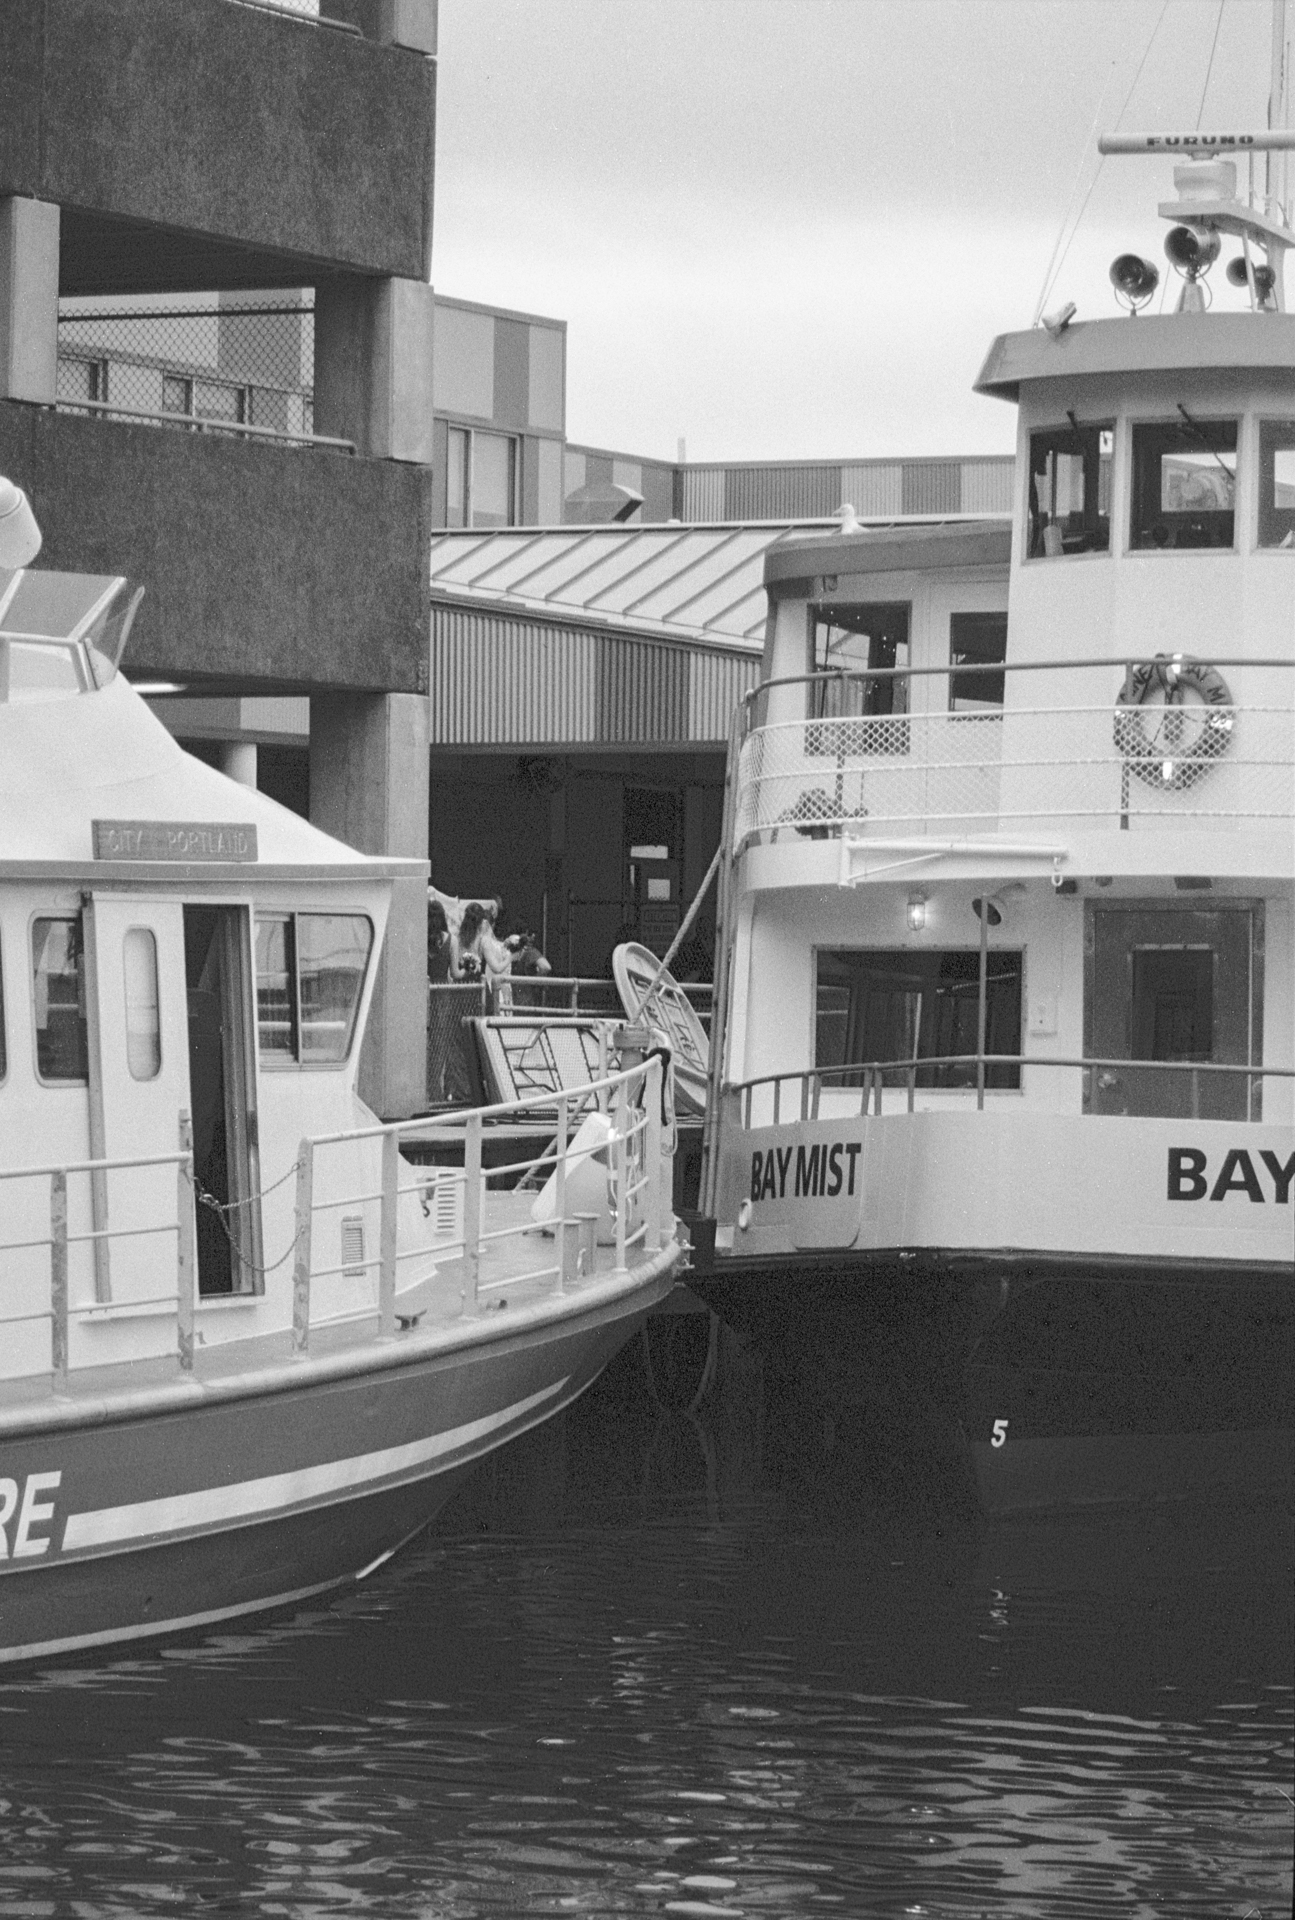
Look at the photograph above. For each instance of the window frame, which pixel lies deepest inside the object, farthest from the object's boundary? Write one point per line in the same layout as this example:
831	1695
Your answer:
967	671
296	1061
1072	430
1174	424
70	916
464	461
1266	480
1012	1077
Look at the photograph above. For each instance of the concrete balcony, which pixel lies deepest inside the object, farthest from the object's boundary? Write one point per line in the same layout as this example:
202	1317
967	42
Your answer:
265	568
208	145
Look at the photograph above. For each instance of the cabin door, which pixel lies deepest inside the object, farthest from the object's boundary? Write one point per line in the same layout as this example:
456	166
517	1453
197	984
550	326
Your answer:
1174	985
138	1071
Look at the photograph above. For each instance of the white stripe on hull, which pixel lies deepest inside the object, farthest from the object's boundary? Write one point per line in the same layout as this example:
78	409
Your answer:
207	1507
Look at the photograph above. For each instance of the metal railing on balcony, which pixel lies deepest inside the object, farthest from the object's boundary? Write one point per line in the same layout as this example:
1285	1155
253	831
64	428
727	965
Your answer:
990	768
243	366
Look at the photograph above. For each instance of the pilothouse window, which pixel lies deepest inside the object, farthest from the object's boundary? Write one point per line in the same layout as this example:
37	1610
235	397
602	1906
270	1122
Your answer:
310	970
858	641
1070	490
1277	483
1184	484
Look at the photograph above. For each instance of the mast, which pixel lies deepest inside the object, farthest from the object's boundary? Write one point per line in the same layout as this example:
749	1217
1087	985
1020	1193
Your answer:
1277	172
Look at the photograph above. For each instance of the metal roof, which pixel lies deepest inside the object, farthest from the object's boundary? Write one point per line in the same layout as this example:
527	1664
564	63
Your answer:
704	584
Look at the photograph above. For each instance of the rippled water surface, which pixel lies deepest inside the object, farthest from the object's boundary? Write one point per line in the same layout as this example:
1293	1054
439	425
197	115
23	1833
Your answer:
645	1667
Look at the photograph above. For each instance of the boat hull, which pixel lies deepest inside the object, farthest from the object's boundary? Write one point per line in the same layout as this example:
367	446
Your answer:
1071	1382
128	1521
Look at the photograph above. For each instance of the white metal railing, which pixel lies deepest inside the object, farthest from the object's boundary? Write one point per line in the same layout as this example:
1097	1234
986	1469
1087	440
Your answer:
1002	767
639	1149
638	1144
865	1081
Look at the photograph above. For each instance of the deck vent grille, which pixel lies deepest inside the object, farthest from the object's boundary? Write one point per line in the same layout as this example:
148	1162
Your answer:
353	1267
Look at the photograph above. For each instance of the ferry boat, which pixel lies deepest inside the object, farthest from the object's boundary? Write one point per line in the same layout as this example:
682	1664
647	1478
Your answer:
248	1344
1003	1085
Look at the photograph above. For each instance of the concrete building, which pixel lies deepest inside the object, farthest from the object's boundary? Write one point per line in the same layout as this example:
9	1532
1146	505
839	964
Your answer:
150	152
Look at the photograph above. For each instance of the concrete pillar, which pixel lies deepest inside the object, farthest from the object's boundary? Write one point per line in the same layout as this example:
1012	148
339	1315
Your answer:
373	365
238	761
369	787
398	23
28	299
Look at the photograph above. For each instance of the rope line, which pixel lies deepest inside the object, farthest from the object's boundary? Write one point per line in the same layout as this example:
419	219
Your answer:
1200	111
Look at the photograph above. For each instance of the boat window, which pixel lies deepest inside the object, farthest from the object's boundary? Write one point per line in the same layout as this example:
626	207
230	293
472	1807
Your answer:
850	640
58	994
976	640
276	972
1184	484
310	970
892	1006
143	1029
1277	483
1070	490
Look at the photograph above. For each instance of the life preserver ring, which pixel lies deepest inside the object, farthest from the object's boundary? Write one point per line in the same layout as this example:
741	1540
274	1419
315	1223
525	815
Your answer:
1167	742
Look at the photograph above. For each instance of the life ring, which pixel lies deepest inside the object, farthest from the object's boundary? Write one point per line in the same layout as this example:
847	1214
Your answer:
1167	742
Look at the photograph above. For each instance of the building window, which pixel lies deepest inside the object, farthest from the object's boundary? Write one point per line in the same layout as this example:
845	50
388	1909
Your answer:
215	400
310	970
82	379
1070	490
892	1006
480	479
1277	483
1184	484
976	640
58	998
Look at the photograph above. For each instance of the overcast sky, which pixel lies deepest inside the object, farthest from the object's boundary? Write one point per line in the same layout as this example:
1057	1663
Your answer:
790	228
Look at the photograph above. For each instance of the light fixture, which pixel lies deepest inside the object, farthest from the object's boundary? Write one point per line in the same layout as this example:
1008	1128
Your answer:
916	912
1134	280
988	912
20	536
1056	323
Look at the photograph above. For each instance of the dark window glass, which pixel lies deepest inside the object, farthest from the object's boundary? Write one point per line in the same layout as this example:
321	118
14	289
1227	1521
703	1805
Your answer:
58	996
1173	1003
853	640
1070	490
1184	484
1277	483
895	1005
976	639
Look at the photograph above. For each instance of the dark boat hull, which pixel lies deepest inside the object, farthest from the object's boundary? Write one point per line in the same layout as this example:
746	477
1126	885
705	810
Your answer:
227	1498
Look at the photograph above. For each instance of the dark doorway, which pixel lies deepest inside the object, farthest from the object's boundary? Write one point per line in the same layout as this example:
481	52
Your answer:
653	846
222	1095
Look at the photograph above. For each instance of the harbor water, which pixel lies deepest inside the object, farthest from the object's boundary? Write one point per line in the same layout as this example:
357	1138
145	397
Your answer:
719	1661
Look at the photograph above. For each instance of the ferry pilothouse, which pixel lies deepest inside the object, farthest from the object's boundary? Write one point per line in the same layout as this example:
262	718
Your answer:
1006	986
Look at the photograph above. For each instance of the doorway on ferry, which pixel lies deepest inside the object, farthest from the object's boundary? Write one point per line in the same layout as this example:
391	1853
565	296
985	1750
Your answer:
222	1084
651	817
1174	986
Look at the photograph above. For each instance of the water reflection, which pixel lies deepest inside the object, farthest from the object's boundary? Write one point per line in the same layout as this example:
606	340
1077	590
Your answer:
717	1664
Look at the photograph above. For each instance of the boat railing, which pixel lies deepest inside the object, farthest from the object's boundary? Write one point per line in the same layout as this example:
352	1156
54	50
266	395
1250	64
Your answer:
868	1080
826	755
56	1307
630	1148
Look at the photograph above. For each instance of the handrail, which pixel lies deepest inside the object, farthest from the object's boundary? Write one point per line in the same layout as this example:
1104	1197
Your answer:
831	674
205	423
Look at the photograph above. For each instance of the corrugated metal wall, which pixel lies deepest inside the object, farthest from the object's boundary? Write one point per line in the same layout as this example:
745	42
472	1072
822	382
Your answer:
933	487
874	490
781	493
504	680
703	494
987	486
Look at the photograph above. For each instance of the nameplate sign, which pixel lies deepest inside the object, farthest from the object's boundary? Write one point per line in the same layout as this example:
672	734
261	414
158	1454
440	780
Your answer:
188	840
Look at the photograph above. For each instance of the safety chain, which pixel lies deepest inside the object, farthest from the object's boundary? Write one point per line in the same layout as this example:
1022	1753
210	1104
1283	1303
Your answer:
223	1209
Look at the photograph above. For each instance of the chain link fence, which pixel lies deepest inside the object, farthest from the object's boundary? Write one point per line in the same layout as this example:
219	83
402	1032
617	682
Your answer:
232	363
